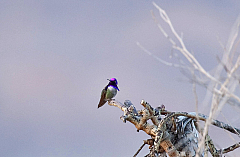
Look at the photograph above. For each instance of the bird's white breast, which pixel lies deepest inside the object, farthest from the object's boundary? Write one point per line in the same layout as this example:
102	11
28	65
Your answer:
111	92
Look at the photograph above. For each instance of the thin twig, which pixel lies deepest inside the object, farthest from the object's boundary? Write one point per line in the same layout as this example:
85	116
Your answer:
159	59
231	148
139	150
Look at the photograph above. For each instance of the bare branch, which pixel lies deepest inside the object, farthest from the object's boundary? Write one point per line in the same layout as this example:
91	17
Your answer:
163	130
231	148
160	60
183	48
139	150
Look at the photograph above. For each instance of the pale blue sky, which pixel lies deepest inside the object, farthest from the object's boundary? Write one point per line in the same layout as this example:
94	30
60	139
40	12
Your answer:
56	57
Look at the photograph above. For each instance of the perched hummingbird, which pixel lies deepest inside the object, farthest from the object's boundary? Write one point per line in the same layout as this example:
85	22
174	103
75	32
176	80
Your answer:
108	92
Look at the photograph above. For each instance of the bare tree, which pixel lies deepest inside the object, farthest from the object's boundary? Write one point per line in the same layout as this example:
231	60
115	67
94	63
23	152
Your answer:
178	133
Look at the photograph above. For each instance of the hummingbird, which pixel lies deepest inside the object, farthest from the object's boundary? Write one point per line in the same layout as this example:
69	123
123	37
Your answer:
108	92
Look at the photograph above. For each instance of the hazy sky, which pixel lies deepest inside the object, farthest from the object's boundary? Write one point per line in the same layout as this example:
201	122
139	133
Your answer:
56	57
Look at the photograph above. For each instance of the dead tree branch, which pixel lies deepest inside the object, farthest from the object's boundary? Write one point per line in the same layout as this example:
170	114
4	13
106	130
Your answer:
167	132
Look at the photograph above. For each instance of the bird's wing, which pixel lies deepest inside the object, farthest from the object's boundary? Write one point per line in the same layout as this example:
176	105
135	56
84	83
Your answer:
102	100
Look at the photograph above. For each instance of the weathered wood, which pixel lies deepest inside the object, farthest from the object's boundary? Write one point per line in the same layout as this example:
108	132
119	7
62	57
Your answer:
175	133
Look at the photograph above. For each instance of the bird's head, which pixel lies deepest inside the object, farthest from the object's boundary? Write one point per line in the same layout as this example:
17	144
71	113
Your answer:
113	80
